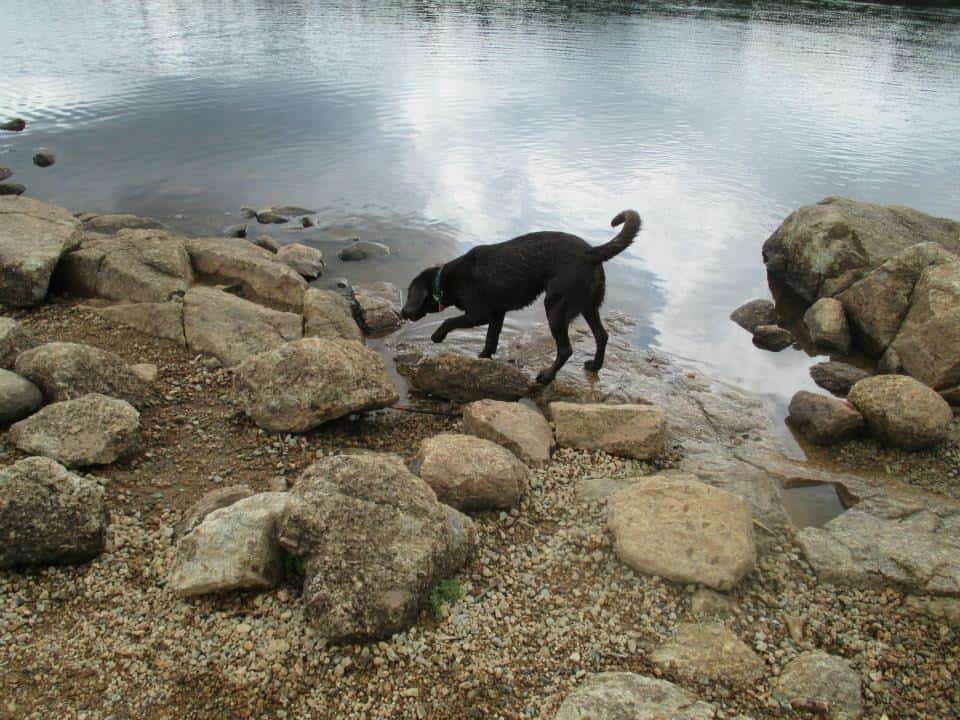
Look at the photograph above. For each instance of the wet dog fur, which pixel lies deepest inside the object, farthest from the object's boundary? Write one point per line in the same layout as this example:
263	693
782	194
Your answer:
490	280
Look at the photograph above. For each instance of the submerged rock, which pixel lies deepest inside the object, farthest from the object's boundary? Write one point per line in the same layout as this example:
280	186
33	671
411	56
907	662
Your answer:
374	540
12	188
679	528
14	125
43	158
33	236
91	430
267	217
48	515
300	385
362	250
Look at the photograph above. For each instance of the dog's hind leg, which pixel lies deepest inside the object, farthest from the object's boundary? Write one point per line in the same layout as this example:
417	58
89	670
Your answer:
559	322
455	323
592	316
493	336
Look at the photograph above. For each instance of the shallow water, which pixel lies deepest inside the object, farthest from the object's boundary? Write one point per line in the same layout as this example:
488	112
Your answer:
436	126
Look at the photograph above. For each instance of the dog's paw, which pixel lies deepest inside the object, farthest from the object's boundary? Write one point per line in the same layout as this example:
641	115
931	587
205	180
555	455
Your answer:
484	355
545	377
438	336
591	366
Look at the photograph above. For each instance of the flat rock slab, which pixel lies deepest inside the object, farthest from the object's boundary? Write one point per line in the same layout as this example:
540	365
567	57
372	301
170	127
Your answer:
33	236
328	314
462	378
48	515
65	371
257	272
623	696
306	383
470	473
18	397
635	431
133	266
816	679
233	329
234	547
159	320
91	430
375	541
709	650
14	339
902	412
522	430
824	420
681	529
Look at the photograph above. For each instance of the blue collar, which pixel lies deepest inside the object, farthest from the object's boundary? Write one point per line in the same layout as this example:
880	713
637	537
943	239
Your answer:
437	292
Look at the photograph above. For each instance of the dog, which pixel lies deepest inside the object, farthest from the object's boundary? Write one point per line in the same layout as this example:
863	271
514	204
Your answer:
491	280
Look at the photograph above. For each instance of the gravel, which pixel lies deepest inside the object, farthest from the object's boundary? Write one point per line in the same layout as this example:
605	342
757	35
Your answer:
545	602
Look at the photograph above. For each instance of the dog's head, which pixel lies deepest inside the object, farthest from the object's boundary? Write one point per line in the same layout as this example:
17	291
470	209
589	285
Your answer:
422	295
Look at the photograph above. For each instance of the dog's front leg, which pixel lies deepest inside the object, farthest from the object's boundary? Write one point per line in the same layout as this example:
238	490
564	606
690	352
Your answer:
457	323
493	337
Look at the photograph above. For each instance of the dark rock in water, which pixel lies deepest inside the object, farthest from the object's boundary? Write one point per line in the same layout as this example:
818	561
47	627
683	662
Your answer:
824	420
361	250
237	231
837	377
306	222
247	213
290	210
342	283
772	337
5	173
14	125
12	189
462	378
753	314
267	217
43	158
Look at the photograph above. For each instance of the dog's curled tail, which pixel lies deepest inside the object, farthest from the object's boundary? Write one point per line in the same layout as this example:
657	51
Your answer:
631	226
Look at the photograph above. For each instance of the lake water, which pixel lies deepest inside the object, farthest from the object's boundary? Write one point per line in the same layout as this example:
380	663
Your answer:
433	126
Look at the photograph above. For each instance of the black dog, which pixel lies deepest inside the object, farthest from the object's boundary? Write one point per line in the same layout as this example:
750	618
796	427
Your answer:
491	280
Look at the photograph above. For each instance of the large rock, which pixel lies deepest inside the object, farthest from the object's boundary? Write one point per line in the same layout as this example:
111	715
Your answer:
914	548
48	515
681	529
462	378
878	305
902	412
33	236
519	428
233	548
149	266
818	680
378	305
635	431
91	430
821	249
772	337
303	259
160	320
18	397
827	323
260	277
233	329
470	473
837	377
709	650
111	224
328	314
375	542
64	371
626	696
824	420
755	313
14	339
303	384
213	500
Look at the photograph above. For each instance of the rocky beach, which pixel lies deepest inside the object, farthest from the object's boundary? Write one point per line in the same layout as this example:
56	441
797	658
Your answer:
212	504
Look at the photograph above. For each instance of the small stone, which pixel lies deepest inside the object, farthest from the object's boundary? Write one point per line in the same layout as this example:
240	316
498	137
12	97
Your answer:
772	337
236	231
43	158
14	125
755	313
837	377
